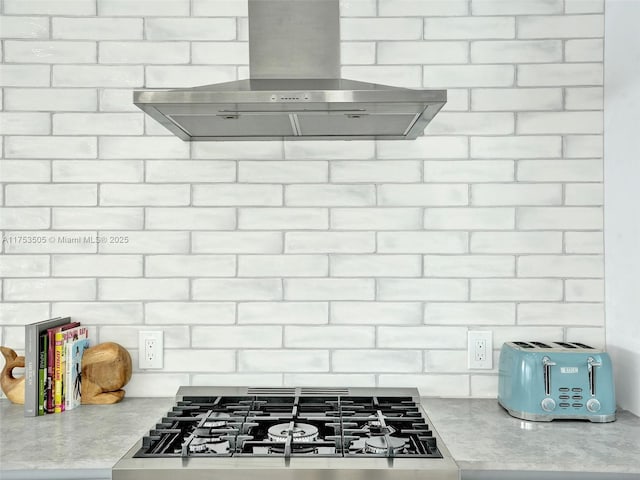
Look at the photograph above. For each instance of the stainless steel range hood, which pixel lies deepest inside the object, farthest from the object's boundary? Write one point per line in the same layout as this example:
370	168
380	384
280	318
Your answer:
294	91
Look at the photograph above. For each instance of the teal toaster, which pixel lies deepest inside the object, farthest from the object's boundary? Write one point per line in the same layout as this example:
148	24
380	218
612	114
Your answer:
556	380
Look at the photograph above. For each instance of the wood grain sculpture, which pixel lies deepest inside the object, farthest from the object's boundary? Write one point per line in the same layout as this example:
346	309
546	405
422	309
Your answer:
106	368
12	387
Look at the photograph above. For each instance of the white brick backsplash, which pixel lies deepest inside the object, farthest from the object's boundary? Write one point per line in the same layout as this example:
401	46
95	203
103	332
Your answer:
219	8
190	218
439	313
305	313
517	7
370	313
59	99
472	124
358	53
376	360
190	171
380	28
24	266
142	8
25	75
554	75
512	51
50	7
25	171
587	98
237	242
398	75
233	150
469	171
329	337
422	52
207	313
283	361
162	76
237	336
430	385
144	52
49	289
283	266
584	50
237	289
191	29
116	100
50	147
96	265
445	361
98	218
584	290
593	336
25	123
19	313
583	146
516	194
329	195
24	218
358	8
560	170
100	313
561	26
376	218
104	75
516	289
375	265
54	242
583	6
422	289
468	28
584	194
325	150
144	242
561	314
329	380
469	266
24	27
125	194
174	337
96	28
155	384
283	172
469	218
468	76
417	195
560	218
97	124
375	171
329	242
237	379
143	289
283	219
220	53
516	242
584	242
49	52
560	122
50	195
484	386
561	266
195	360
329	289
190	266
143	147
422	242
541	334
425	147
420	8
493	99
516	147
422	337
97	171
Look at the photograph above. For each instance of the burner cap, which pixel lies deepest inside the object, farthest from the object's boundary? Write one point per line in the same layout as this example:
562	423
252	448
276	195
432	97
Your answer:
301	432
378	444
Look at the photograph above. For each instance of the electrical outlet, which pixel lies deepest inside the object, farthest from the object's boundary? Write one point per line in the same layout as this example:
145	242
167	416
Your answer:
150	346
480	349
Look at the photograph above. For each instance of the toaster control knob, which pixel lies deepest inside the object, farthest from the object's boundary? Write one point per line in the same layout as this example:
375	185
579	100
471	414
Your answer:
593	405
548	404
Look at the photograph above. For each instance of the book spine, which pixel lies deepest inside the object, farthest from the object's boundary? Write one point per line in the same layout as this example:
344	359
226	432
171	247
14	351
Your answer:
68	375
42	373
31	370
57	373
51	362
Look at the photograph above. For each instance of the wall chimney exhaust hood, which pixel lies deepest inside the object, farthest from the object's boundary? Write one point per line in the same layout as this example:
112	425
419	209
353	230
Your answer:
294	90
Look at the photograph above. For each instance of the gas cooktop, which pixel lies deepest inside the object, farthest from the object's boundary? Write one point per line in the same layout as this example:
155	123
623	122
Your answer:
220	432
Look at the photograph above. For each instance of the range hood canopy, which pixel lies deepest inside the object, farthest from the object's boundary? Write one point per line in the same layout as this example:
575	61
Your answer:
294	91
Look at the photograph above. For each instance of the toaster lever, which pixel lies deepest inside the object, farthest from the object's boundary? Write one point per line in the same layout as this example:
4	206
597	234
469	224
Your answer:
547	364
591	364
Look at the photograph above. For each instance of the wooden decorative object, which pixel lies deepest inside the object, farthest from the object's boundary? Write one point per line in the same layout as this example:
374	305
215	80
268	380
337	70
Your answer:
12	387
106	368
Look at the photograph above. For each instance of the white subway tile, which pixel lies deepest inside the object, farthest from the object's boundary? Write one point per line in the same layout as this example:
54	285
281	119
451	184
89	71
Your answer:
190	265
144	194
238	195
516	51
468	28
583	146
376	361
144	52
469	218
219	8
375	171
397	75
329	380
237	289
174	337
425	147
237	336
358	53
116	100
58	99
584	194
234	150
184	76
49	289
560	122
283	361
561	314
24	27
472	124
143	289
422	242
49	52
516	289
220	53
450	361
97	124
468	313
25	123
53	242
283	266
516	7
190	218
584	290
50	7
273	218
329	337
25	75
484	386
560	170
457	100
561	26
155	384
330	195
12	171
207	313
24	266
561	266
376	218
144	242
469	171
87	28
423	195
515	99
100	313
516	242
560	218
429	385
421	8
195	171
394	53
102	75
237	242
197	360
329	242
584	242
50	195
516	147
422	337
468	76
191	29
143	147
516	194
593	336
97	171
50	147
541	334
283	172
584	6
237	379
329	150
466	266
422	289
584	50
143	8
97	218
380	28
304	313
20	218
19	313
376	313
97	265
329	289
585	98
556	75
358	8
376	265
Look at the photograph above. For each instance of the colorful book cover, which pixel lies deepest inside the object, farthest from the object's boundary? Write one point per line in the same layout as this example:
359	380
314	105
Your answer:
58	343
68	337
73	382
42	373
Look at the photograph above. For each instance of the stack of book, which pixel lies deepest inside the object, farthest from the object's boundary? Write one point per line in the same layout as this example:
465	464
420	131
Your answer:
53	356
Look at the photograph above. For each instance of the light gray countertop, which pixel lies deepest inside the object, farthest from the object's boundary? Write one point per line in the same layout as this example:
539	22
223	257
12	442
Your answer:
85	443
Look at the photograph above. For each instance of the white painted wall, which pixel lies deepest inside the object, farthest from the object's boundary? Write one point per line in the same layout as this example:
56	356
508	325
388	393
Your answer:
622	196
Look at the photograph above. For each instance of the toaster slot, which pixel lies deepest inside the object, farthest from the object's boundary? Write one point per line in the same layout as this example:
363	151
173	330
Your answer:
547	364
592	364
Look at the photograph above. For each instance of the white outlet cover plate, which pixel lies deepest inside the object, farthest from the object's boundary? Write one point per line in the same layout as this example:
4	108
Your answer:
472	338
157	360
